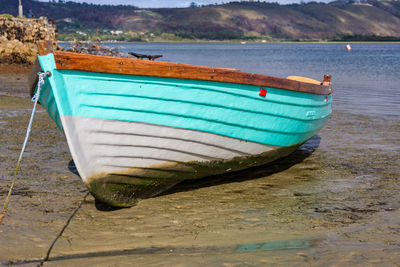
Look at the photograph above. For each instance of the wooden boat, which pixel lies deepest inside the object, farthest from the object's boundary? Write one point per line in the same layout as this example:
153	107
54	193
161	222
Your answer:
136	128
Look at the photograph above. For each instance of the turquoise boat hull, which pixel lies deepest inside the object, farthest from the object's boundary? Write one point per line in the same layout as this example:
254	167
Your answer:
132	136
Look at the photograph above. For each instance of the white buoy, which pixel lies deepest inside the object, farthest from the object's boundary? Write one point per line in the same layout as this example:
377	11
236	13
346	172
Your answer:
348	47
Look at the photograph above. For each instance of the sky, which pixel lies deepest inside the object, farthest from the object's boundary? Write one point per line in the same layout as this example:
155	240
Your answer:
175	3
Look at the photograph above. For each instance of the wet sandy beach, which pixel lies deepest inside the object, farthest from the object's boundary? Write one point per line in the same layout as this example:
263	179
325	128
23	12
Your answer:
335	201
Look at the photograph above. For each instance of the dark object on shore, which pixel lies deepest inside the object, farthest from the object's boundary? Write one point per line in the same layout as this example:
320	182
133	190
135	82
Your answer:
141	56
30	14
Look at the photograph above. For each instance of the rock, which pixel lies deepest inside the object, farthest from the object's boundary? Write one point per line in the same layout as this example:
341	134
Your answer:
18	38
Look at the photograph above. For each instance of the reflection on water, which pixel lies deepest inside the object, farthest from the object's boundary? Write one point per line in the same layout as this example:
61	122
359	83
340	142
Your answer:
266	170
248	247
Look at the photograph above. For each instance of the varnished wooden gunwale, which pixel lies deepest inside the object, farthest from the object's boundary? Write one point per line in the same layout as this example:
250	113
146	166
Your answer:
118	65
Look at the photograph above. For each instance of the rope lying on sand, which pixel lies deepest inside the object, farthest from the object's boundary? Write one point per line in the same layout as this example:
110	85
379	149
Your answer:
62	231
35	99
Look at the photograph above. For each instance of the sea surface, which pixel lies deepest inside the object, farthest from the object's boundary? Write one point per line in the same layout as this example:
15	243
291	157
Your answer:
366	79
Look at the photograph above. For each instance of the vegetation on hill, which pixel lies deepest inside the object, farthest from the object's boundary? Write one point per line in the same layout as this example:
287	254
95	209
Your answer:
339	20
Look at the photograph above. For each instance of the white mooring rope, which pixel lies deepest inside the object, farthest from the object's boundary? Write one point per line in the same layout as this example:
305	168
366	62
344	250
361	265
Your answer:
35	99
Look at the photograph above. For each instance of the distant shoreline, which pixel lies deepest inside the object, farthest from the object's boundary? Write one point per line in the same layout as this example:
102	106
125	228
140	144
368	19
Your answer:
237	42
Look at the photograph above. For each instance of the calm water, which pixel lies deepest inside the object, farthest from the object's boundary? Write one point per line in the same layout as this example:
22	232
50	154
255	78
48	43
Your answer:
366	80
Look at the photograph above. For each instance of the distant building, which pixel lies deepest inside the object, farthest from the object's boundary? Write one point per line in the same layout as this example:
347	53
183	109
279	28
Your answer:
117	32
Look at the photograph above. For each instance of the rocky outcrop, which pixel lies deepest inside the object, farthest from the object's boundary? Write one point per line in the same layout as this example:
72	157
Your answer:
18	38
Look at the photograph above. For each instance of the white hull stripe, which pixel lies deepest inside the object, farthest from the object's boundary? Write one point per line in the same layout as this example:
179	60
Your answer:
105	146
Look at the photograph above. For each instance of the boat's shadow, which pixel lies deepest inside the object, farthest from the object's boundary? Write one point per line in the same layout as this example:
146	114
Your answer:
252	173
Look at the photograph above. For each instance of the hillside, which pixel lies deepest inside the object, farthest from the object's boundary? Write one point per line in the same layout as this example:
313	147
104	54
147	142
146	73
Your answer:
369	19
